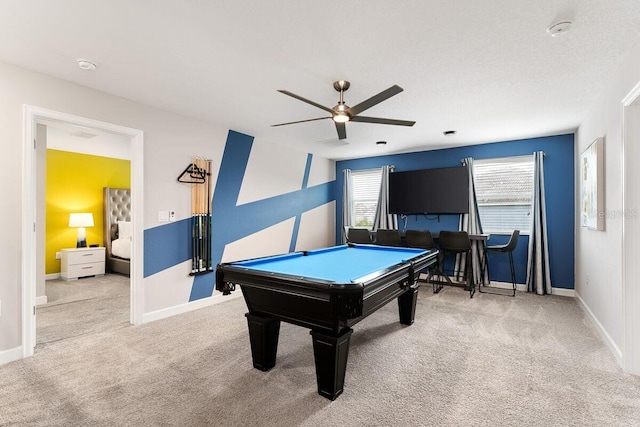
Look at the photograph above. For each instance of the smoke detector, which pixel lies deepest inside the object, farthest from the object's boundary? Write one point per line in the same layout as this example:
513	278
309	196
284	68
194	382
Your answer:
86	64
559	28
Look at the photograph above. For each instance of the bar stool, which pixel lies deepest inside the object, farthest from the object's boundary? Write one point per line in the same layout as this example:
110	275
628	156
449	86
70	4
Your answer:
388	237
456	243
358	235
508	248
419	239
422	239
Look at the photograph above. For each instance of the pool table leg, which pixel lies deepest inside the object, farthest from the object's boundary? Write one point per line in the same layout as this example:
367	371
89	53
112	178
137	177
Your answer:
263	334
407	305
330	353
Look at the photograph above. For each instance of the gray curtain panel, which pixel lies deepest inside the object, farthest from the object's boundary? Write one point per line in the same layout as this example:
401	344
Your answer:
538	275
383	218
471	224
347	217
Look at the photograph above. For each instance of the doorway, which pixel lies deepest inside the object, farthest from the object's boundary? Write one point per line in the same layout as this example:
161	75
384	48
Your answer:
631	230
33	236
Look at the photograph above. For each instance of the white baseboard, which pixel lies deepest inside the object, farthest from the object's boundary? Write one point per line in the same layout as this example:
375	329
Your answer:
42	299
523	288
52	276
10	355
190	306
564	292
615	350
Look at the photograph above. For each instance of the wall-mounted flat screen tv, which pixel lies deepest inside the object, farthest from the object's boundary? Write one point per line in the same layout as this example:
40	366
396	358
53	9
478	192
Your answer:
429	191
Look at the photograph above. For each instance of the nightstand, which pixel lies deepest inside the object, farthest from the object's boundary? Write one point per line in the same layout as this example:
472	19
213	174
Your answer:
82	262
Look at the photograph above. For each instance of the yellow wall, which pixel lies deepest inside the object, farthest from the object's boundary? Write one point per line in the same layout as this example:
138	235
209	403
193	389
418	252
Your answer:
74	184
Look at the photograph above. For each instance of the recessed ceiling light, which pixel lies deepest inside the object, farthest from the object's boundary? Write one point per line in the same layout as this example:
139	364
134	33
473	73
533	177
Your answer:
86	64
449	132
559	28
381	143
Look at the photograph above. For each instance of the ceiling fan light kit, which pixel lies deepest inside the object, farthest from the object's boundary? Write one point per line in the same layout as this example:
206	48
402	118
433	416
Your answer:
341	118
342	113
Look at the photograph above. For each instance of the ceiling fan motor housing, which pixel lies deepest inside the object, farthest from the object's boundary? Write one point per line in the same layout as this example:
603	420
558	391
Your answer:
341	85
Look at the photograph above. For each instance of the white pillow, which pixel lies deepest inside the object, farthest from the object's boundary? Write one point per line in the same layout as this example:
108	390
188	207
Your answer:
121	248
124	229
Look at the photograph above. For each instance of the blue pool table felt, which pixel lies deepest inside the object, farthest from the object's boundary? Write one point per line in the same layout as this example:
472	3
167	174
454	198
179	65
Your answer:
339	264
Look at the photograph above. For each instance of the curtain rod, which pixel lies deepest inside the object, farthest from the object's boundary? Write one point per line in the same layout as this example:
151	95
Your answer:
370	169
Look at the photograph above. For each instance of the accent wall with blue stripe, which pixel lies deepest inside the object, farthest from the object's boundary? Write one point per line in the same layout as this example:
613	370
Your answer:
559	190
232	221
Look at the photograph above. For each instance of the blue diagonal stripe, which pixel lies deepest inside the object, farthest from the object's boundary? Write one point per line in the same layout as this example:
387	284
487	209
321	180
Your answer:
231	222
296	224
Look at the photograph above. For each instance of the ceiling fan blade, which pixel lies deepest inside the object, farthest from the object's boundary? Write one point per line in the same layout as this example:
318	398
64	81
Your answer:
375	99
382	121
342	130
298	97
300	121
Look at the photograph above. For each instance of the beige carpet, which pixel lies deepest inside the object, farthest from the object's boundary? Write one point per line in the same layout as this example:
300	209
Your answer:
487	361
83	306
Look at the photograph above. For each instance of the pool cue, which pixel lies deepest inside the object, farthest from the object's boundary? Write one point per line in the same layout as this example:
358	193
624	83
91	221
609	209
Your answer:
199	220
209	238
194	225
203	188
201	235
200	215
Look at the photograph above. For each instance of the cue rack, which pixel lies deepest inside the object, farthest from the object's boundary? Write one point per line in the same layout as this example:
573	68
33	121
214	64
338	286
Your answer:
198	176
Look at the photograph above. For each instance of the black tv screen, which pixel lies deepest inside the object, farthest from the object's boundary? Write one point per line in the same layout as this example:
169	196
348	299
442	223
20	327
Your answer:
429	191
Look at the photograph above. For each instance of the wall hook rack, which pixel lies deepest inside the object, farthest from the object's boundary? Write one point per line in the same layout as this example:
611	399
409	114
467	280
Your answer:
193	175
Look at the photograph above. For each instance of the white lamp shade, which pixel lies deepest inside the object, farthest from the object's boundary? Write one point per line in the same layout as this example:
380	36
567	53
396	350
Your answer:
81	220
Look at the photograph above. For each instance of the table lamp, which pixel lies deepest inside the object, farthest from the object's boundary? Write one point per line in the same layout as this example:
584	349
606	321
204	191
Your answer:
81	220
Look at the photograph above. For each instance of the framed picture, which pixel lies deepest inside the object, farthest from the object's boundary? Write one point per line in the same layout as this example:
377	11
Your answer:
592	213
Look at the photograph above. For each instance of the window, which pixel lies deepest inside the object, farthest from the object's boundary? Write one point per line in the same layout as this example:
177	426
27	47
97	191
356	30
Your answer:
503	189
366	188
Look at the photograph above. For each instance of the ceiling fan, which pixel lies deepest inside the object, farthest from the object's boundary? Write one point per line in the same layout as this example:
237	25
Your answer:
342	113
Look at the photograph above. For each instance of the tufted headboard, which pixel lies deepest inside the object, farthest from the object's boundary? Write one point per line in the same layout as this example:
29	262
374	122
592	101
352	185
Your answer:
116	207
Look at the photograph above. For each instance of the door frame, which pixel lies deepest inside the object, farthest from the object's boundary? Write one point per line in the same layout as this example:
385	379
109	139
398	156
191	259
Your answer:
630	231
31	116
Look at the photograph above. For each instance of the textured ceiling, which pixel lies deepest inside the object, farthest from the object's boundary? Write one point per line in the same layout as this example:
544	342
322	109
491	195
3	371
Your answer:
487	69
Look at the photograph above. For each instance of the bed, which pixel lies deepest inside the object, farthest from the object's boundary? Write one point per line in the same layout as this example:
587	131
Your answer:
117	229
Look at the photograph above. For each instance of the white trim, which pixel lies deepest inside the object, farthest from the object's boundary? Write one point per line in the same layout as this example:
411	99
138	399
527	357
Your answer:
28	333
10	355
630	356
189	306
631	96
520	287
41	300
52	276
617	353
31	116
563	292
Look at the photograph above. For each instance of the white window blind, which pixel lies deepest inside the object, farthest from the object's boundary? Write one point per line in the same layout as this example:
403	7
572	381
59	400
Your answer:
504	187
366	187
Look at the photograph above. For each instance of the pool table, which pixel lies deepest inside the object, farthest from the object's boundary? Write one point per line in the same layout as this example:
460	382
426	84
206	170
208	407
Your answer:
326	290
